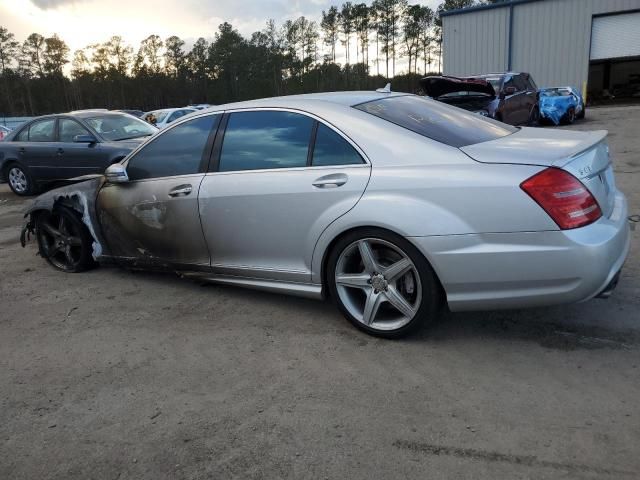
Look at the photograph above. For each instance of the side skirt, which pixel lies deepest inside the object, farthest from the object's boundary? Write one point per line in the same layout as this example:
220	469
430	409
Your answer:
307	290
204	273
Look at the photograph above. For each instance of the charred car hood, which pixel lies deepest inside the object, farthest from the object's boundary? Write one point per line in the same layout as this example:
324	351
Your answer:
437	86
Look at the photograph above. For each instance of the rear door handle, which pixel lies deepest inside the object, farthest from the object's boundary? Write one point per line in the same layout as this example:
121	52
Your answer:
333	180
180	190
21	151
60	151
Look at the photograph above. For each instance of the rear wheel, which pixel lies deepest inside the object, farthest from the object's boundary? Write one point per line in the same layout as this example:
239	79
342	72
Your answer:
381	283
583	113
64	241
570	117
20	182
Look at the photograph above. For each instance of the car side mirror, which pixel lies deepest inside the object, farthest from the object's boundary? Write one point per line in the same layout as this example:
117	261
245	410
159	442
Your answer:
510	90
84	139
116	173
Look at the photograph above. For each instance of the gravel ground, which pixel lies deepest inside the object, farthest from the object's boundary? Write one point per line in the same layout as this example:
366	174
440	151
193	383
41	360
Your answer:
119	375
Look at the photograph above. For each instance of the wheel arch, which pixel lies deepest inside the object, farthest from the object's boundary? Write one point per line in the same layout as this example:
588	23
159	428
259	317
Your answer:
4	167
332	243
81	198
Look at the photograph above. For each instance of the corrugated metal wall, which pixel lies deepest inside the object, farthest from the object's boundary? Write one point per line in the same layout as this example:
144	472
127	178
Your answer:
551	39
475	42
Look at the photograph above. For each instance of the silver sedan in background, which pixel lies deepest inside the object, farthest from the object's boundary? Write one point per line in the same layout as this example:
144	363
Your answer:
391	204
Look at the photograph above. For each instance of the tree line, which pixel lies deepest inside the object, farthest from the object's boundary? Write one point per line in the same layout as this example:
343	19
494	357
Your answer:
41	75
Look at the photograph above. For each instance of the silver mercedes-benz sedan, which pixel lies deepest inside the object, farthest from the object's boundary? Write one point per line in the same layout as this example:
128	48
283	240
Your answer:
391	204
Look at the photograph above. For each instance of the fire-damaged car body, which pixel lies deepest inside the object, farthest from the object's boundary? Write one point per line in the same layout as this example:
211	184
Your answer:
508	97
390	204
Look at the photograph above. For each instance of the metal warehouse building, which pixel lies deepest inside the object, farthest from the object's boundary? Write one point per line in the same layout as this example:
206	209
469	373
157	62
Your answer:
593	45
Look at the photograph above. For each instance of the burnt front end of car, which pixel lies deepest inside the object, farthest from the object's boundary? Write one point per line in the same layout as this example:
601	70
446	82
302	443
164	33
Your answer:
80	196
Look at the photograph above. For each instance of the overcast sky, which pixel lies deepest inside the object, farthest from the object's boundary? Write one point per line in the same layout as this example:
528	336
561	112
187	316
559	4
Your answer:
82	22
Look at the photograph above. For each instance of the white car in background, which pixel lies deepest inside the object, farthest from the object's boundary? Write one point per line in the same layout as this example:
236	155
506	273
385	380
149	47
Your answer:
4	131
162	118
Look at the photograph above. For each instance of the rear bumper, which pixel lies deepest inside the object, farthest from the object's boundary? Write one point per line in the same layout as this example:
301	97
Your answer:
529	269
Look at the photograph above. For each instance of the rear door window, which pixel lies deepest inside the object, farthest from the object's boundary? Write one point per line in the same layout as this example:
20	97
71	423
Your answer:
437	121
331	149
265	140
43	131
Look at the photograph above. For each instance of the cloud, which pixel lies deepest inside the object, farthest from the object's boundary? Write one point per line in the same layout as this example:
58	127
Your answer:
83	22
51	4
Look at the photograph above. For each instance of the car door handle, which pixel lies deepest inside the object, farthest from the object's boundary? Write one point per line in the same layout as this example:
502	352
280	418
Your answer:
60	151
21	151
333	180
180	190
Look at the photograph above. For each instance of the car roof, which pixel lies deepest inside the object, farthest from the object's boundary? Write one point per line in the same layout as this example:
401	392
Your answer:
497	74
171	109
347	99
91	113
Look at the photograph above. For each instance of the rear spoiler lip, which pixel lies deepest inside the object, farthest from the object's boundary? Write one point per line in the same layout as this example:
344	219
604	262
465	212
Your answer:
485	153
601	135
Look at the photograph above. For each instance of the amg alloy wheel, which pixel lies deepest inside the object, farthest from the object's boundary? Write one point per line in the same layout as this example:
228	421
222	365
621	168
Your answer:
64	240
383	284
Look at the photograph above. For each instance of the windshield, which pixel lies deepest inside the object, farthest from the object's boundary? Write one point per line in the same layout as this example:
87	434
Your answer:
437	121
555	93
120	127
495	82
464	94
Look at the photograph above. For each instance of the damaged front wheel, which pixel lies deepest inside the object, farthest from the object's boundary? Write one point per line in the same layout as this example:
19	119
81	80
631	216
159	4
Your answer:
64	241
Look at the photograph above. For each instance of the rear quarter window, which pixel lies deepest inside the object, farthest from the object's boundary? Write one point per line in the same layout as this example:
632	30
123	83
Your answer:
437	121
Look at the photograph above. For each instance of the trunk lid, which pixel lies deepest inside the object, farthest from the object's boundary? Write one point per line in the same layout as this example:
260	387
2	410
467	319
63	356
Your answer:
583	154
438	86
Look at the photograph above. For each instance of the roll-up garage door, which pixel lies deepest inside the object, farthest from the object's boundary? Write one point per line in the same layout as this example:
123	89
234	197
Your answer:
615	36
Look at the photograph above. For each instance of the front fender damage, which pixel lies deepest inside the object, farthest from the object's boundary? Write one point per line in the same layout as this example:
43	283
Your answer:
80	197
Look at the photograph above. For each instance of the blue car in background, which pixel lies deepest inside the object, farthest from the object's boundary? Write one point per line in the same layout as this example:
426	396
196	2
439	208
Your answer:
561	105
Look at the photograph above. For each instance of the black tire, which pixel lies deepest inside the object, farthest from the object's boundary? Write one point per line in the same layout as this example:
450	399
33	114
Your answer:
71	251
583	113
15	168
432	295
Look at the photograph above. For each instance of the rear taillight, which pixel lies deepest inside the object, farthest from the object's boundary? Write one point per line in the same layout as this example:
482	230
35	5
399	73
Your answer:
563	197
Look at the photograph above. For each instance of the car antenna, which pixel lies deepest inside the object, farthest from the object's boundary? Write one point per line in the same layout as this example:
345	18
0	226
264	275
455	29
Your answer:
386	89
